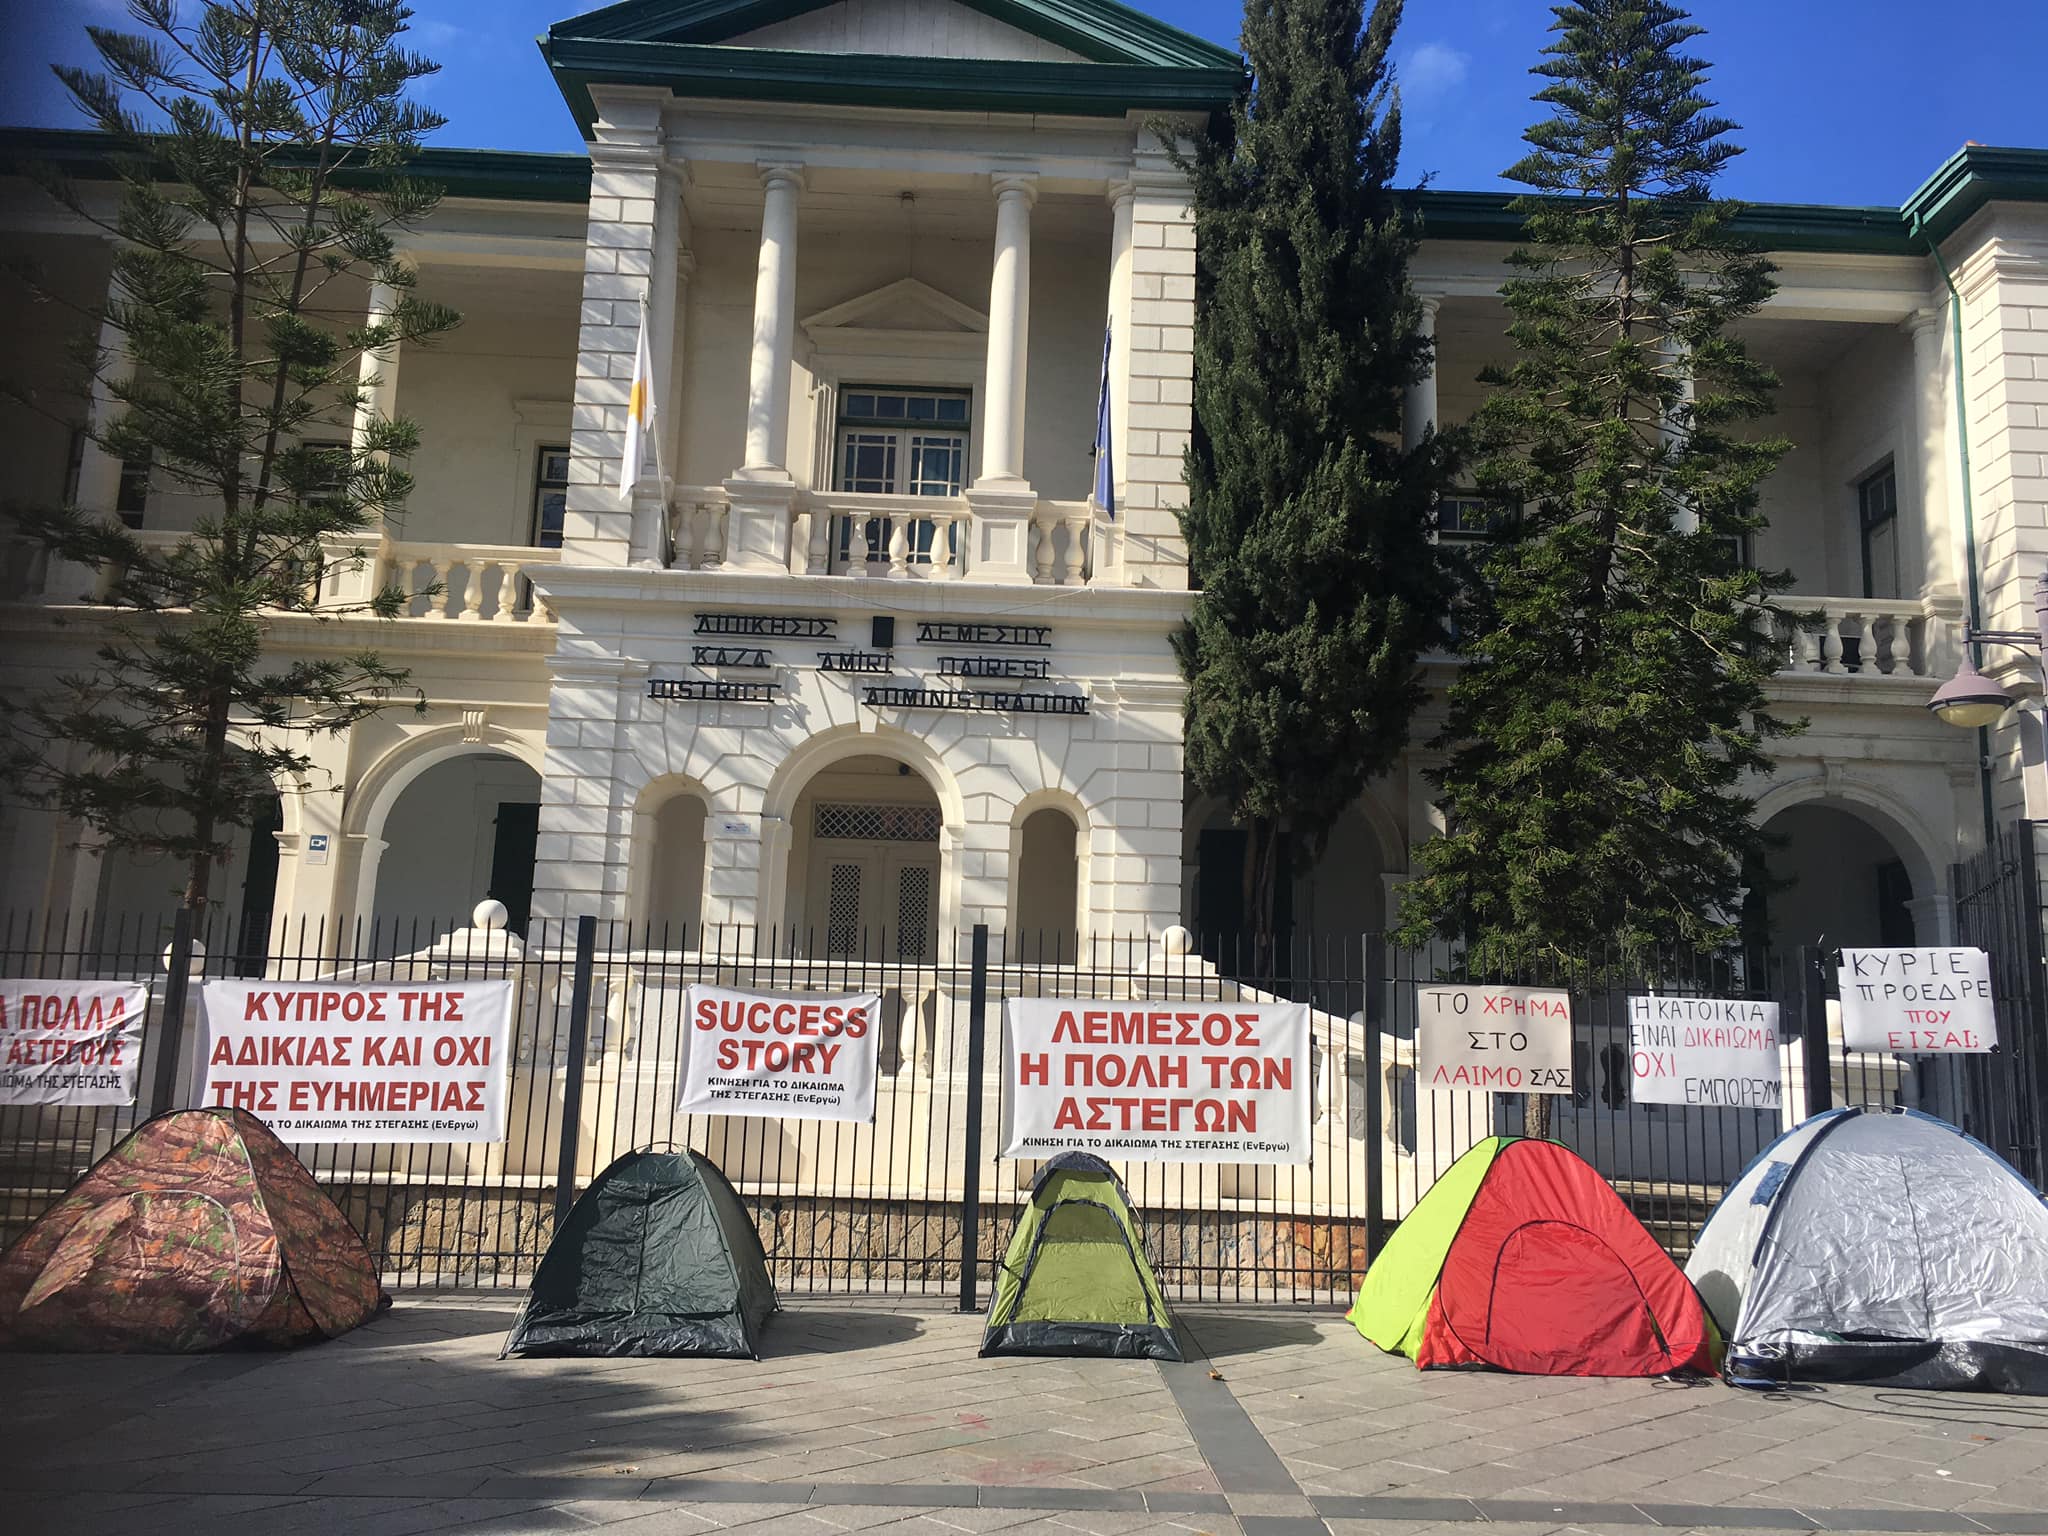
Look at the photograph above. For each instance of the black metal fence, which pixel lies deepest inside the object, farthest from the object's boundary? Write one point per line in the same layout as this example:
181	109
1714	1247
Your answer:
919	1202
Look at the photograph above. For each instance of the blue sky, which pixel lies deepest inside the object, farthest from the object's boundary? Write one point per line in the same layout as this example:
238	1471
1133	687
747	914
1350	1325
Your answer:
1840	101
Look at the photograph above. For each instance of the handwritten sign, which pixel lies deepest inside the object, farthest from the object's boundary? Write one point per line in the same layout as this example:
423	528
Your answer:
1707	1052
1917	1001
1494	1039
1167	1082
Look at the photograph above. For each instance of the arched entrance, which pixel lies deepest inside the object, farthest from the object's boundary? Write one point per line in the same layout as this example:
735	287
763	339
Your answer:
461	829
863	876
1836	879
668	862
1047	880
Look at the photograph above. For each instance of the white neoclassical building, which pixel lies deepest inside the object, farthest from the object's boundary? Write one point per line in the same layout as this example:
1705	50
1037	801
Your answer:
857	656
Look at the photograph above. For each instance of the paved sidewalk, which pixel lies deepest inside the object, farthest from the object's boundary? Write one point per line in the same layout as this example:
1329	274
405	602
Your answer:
866	1414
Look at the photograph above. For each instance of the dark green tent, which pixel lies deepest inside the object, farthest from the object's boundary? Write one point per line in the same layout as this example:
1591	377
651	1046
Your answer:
657	1258
1075	1280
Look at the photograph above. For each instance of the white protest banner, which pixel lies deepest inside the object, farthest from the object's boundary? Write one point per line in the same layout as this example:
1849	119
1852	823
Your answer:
1494	1039
1709	1052
1917	1001
361	1061
70	1042
806	1057
1166	1082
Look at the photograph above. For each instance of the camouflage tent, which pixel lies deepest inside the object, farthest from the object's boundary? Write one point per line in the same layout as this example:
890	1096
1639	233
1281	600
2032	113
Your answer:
199	1231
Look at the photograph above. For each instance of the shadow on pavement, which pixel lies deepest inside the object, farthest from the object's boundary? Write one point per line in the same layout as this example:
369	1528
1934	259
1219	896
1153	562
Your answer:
1219	1335
795	1331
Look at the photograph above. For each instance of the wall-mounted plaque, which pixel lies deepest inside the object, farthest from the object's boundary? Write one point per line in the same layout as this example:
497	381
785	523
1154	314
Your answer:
1038	636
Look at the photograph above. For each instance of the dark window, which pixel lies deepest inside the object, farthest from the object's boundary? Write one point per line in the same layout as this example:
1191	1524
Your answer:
1465	517
131	498
550	496
1877	508
326	469
897	442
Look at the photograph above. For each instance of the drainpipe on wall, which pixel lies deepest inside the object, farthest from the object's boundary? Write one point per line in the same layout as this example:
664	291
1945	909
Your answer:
1962	425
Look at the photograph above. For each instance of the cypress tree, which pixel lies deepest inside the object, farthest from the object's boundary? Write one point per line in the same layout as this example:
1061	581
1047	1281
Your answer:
1307	524
1612	711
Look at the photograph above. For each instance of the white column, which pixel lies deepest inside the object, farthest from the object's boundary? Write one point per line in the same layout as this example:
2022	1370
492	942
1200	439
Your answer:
1418	409
1123	200
1940	564
774	327
99	472
651	487
1009	326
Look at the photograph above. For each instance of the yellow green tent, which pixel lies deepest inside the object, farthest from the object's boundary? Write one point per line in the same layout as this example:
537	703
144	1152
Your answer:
1075	1280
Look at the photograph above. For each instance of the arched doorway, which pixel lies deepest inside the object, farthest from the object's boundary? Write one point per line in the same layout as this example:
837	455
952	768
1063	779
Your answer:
462	829
1834	878
1047	878
673	905
863	877
139	893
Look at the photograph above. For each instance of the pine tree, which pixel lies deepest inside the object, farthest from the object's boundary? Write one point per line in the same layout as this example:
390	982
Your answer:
1307	525
259	146
1603	732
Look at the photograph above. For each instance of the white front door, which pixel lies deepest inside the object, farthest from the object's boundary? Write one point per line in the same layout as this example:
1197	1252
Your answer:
872	900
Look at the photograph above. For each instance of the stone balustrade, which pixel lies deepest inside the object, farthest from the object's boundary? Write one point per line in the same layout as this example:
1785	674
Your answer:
1859	636
467	582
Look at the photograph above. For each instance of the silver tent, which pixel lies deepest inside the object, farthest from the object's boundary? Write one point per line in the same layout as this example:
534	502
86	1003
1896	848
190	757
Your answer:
1873	1246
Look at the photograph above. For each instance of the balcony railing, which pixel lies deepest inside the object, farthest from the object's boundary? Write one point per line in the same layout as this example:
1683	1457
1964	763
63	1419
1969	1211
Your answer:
900	538
473	583
1860	637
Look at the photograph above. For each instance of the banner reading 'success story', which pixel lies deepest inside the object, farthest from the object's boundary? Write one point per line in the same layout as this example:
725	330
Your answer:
361	1061
1162	1082
70	1042
790	1058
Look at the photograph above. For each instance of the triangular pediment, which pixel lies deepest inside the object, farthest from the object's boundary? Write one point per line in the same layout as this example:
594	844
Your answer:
943	29
1095	31
904	305
1067	57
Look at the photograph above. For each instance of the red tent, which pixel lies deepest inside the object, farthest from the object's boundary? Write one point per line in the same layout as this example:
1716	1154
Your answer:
1522	1257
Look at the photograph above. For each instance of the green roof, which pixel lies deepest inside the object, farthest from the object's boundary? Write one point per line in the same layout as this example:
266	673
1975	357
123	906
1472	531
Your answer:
509	175
1967	181
1128	61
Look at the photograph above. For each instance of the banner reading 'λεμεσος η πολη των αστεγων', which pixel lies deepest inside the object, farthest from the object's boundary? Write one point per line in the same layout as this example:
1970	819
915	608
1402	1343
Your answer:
361	1061
805	1057
70	1042
1157	1082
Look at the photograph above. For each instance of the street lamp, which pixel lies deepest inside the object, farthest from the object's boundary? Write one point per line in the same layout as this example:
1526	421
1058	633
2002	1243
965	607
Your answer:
1970	699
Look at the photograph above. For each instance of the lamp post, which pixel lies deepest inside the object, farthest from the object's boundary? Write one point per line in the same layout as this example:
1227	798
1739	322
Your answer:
1970	699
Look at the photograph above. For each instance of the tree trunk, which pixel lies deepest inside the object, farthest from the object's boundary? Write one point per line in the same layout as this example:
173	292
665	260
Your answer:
1536	1115
1261	862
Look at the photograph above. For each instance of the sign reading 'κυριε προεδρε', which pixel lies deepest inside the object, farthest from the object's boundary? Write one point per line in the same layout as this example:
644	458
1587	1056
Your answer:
1494	1039
1917	1001
1707	1052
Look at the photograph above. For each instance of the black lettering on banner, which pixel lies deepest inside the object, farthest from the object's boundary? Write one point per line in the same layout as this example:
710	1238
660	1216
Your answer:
717	692
730	656
772	626
1038	636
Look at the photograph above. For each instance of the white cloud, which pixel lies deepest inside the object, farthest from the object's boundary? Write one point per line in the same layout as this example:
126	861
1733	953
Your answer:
1431	71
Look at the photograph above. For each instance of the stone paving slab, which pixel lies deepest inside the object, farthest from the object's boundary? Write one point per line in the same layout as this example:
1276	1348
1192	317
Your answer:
866	1415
